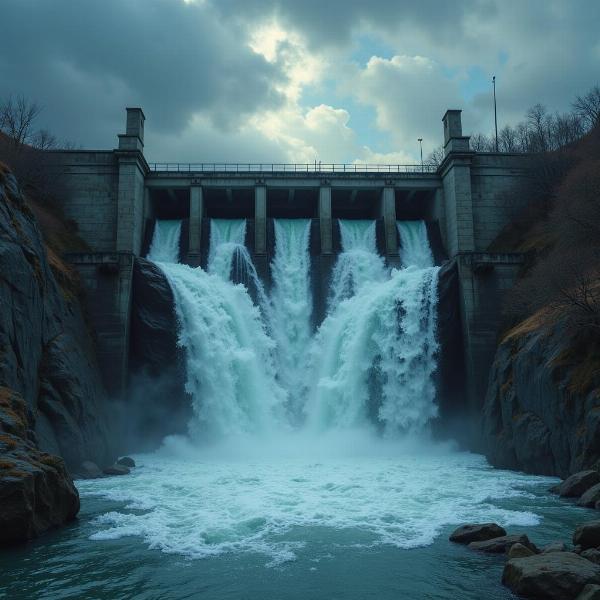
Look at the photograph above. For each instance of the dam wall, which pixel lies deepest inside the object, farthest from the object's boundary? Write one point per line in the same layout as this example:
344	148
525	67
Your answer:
115	196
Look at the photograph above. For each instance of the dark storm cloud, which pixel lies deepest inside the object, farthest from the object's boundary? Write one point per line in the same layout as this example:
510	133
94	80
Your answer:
327	23
85	60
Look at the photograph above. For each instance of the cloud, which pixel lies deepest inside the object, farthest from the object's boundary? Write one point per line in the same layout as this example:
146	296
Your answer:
244	80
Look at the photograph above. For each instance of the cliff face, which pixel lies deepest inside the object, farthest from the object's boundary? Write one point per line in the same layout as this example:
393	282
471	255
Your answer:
52	399
538	415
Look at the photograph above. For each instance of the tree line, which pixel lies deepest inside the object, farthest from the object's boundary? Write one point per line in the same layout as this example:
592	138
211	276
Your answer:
540	131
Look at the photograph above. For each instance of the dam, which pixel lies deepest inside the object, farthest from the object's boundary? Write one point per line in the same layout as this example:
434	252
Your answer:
118	201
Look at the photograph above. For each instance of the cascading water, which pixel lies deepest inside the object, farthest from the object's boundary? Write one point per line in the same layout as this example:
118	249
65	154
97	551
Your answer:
165	241
371	361
292	306
229	368
414	245
358	262
374	355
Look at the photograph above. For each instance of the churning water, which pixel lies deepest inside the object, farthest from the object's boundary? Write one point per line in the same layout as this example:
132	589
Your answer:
307	471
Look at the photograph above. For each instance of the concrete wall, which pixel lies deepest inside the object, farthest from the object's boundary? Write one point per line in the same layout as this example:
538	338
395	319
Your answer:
90	180
493	177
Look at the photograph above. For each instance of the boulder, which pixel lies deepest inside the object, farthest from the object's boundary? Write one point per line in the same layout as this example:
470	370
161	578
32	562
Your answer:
502	544
117	470
590	592
554	547
578	483
587	535
592	554
590	497
89	470
126	461
476	532
519	551
597	505
554	576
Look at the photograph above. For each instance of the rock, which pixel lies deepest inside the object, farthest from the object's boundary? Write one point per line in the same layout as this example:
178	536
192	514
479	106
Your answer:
590	497
554	547
590	592
554	489
592	554
502	544
597	505
578	484
528	422
117	470
587	535
36	492
126	461
519	551
476	532
89	470
554	576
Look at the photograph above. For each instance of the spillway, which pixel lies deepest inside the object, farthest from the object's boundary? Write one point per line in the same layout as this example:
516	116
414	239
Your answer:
258	366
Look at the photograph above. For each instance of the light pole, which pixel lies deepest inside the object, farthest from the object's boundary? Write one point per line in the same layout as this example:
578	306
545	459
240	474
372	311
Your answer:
420	140
495	113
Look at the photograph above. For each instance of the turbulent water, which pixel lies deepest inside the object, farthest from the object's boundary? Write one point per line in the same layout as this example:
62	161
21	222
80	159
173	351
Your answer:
414	246
165	242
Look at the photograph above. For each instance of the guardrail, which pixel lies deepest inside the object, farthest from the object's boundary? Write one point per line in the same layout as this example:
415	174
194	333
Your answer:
316	167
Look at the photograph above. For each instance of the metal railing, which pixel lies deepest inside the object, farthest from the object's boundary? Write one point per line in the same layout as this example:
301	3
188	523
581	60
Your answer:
316	167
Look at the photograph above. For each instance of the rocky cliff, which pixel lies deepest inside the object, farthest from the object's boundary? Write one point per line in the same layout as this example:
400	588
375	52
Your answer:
52	404
542	409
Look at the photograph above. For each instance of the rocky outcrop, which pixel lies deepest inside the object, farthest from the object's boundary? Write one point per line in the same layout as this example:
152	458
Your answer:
502	544
36	492
532	418
48	374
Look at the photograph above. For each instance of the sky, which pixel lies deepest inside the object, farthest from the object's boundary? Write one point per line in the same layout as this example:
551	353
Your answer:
293	80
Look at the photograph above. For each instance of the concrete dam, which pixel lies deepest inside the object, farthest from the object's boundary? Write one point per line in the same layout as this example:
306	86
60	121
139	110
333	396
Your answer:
124	206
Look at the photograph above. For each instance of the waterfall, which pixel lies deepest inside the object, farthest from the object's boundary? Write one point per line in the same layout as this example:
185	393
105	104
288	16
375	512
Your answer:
257	367
165	241
227	237
414	244
229	369
291	302
374	354
358	262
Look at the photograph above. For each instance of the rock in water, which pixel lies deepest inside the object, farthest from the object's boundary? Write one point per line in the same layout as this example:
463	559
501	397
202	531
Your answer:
117	470
578	484
476	532
590	592
126	461
89	470
554	576
554	547
502	544
587	535
590	497
519	551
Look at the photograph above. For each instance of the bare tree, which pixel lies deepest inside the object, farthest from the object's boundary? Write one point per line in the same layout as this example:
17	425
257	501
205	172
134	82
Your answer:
507	139
588	107
435	157
17	116
481	143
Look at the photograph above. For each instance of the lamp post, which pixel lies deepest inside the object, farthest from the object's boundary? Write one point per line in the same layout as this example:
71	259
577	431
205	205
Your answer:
495	112
420	140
